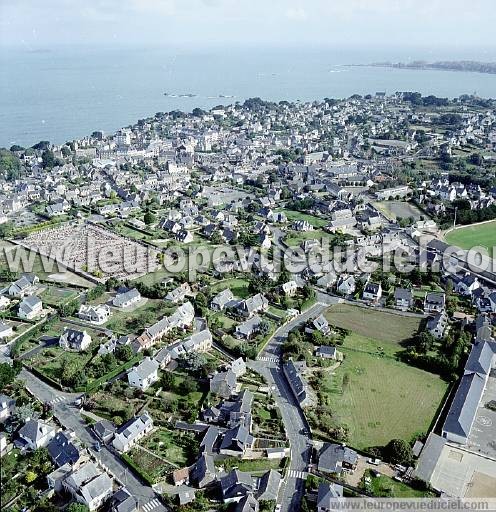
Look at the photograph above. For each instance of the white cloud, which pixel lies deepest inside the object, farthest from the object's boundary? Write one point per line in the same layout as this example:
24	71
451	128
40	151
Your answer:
296	14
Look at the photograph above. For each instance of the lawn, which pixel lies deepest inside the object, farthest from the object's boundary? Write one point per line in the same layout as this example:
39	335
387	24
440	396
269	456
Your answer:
296	238
394	209
384	486
466	237
238	286
55	297
252	466
379	398
177	448
316	222
379	325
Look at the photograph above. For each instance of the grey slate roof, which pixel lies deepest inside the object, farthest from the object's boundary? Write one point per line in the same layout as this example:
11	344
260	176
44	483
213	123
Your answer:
268	486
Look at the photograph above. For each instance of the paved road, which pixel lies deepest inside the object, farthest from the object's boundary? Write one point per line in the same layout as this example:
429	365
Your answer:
69	416
268	365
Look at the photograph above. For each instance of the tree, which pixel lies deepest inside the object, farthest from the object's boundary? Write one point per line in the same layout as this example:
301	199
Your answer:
48	160
124	352
7	375
398	451
31	476
149	218
77	507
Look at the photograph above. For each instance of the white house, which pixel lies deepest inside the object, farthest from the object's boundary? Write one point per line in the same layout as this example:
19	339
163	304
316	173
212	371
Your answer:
72	339
144	374
94	314
36	434
25	285
132	431
372	292
289	288
89	485
127	299
30	308
5	330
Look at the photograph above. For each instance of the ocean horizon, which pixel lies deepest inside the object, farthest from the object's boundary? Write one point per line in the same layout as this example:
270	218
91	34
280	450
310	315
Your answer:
62	93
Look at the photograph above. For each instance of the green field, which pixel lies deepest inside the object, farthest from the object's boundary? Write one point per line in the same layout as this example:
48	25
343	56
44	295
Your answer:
394	209
380	399
58	296
316	222
471	236
238	286
295	238
385	486
379	325
377	397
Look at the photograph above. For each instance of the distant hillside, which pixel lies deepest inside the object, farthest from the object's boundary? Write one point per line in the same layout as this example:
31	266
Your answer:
456	65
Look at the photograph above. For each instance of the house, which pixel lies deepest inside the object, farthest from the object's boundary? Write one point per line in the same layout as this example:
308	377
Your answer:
238	367
144	374
30	308
203	472
268	486
163	357
403	299
346	285
372	292
434	302
247	504
180	476
326	352
36	434
236	442
5	330
467	285
64	448
335	458
221	300
104	430
89	485
72	339
252	305
132	431
297	383
327	496
290	288
178	294
94	314
25	285
7	407
322	325
198	342
437	325
4	303
127	299
235	486
249	328
123	501
223	384
301	225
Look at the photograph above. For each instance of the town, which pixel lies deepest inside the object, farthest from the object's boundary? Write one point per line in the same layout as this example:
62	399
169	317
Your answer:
135	378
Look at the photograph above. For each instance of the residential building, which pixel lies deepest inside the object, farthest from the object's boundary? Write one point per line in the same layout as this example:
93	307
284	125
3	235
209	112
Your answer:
144	374
132	431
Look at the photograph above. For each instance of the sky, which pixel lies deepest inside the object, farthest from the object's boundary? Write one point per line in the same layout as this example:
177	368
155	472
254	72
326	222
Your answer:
454	24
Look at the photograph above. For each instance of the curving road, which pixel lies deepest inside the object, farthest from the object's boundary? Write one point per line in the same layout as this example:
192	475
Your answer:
68	415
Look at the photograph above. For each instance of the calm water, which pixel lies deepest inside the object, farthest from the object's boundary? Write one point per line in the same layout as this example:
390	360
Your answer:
63	93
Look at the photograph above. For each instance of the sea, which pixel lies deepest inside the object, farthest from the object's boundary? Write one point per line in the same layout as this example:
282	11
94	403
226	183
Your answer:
66	92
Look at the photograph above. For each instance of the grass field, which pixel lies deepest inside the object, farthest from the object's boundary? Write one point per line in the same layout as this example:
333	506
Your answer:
316	222
387	487
295	238
238	286
380	399
377	397
394	209
58	296
379	325
471	236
